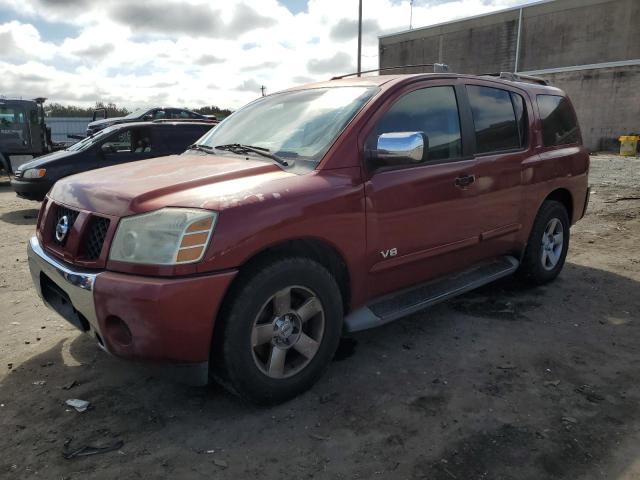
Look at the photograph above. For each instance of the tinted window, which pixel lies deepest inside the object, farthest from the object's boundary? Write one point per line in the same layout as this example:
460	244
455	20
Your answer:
433	111
494	119
176	140
559	124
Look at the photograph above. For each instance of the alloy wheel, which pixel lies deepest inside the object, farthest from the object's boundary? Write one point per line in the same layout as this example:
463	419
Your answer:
287	332
552	243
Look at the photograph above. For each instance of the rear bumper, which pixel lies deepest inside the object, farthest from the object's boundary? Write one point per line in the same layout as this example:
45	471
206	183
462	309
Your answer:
31	190
162	320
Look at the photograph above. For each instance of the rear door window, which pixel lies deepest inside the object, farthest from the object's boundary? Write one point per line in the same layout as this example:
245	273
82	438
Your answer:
176	140
494	119
559	123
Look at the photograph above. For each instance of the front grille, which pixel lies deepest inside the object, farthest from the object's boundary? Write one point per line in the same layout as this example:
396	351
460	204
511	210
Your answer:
71	218
18	174
95	240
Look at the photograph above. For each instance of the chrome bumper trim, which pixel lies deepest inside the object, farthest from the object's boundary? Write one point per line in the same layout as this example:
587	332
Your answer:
77	284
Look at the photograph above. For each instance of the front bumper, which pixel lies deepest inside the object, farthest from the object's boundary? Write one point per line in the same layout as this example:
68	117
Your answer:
163	320
31	190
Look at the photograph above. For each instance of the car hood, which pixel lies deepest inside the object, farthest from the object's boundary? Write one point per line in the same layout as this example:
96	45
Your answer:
48	159
189	180
106	121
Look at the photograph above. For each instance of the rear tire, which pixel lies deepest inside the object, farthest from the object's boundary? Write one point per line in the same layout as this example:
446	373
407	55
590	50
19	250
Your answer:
548	243
280	331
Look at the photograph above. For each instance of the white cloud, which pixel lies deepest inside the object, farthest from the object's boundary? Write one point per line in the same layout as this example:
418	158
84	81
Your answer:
196	52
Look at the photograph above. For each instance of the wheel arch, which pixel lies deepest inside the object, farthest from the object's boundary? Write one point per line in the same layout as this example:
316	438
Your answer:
563	196
312	248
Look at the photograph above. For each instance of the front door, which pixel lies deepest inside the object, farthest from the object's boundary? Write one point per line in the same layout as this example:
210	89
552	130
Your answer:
421	216
126	145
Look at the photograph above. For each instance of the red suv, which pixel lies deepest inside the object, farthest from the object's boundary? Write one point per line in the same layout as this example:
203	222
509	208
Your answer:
331	207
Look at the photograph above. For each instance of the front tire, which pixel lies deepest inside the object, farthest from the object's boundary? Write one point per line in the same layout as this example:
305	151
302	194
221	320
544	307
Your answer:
280	331
548	244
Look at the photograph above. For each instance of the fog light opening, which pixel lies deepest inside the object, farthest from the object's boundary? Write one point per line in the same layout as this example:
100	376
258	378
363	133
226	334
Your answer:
118	332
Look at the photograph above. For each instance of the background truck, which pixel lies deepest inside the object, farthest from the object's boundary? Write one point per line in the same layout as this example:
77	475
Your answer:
23	132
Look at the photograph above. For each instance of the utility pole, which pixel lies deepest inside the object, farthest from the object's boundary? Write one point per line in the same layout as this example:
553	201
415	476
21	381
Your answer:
411	15
360	37
263	89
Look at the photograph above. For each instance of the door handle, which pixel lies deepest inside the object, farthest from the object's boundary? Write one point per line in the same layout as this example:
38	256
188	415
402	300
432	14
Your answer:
465	180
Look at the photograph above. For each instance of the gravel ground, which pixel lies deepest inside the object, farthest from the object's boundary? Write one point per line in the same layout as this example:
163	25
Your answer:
507	382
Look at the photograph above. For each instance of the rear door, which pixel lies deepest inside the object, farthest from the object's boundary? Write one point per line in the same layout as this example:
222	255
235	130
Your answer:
177	138
502	147
421	217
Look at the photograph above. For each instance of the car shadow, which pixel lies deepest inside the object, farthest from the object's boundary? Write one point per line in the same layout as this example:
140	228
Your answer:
453	392
26	216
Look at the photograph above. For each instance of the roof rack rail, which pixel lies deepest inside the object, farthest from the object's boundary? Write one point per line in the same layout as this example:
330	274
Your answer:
437	68
181	120
517	77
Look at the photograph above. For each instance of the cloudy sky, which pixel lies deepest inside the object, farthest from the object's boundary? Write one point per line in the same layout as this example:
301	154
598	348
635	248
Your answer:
195	52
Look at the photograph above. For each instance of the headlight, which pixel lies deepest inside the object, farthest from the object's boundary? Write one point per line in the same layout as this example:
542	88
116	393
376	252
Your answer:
168	236
34	173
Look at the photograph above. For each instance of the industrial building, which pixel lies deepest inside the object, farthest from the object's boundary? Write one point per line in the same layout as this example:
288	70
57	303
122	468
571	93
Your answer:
589	48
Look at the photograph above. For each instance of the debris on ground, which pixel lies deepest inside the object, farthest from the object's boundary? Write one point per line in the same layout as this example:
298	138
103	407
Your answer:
69	386
79	405
220	463
90	450
552	383
326	398
589	393
315	436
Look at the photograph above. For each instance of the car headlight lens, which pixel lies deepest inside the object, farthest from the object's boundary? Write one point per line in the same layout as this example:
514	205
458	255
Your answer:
169	236
34	173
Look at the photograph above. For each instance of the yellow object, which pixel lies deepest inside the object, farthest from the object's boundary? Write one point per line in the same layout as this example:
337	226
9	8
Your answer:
629	145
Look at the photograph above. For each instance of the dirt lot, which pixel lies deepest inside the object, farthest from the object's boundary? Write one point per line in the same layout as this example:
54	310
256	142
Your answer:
505	383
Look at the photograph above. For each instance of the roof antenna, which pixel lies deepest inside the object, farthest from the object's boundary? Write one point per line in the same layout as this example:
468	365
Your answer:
263	89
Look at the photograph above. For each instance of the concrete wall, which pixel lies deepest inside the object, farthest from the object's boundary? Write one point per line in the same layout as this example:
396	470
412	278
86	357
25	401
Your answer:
607	102
554	34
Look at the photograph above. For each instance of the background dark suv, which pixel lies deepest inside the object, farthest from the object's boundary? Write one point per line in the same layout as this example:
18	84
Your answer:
145	115
113	145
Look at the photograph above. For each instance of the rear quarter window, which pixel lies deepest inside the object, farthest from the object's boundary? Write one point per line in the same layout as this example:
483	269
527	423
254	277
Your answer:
559	123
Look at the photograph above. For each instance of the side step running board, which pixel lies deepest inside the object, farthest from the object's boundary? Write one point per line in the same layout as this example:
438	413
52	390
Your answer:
414	299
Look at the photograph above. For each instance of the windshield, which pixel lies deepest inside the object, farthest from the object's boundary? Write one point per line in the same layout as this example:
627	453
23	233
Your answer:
90	140
299	125
12	116
137	114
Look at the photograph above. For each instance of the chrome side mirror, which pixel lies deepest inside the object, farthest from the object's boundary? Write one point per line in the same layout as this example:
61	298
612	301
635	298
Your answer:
401	148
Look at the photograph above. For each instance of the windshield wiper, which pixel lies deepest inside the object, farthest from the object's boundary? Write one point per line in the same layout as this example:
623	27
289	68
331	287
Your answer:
240	148
200	147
